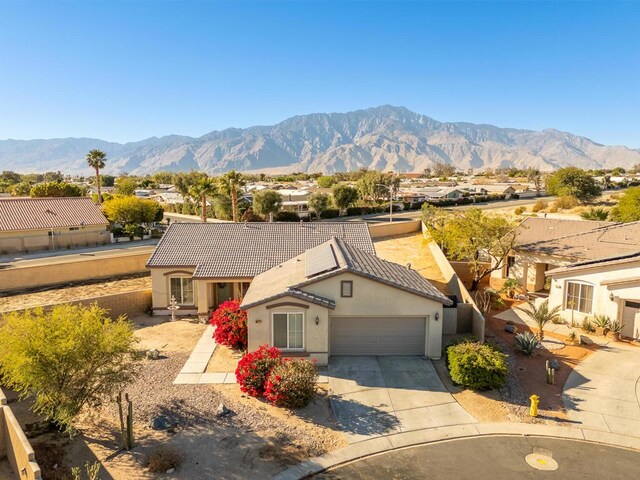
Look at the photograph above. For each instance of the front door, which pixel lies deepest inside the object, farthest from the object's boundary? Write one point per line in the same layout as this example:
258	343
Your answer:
631	320
223	292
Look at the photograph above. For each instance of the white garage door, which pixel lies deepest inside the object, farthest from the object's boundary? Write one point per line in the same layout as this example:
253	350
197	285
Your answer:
377	336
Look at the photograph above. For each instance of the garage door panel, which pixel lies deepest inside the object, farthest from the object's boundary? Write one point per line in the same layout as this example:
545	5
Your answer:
377	335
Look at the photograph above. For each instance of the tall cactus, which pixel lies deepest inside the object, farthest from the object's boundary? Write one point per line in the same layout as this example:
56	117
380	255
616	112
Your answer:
126	425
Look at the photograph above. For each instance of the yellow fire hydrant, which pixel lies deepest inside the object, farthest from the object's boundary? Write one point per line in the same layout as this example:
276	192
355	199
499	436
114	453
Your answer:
533	411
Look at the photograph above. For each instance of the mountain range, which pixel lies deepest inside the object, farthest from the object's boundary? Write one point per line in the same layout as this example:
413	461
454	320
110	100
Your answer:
383	138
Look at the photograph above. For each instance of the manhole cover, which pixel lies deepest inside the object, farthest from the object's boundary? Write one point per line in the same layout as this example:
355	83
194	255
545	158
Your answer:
540	461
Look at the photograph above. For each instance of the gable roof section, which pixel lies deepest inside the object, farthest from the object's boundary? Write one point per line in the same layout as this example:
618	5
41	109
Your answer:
48	213
602	262
535	229
244	250
290	277
616	240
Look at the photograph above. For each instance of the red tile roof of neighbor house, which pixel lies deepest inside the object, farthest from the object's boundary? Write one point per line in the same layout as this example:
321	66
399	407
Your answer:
47	213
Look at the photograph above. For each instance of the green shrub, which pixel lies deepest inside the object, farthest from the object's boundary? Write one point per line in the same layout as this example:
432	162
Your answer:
526	342
291	383
285	216
566	202
477	366
330	213
520	210
587	325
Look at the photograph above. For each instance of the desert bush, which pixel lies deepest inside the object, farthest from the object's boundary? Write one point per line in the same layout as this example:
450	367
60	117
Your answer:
291	383
66	358
520	210
601	320
587	325
231	325
526	342
595	213
254	368
553	208
566	202
510	287
539	205
477	366
164	458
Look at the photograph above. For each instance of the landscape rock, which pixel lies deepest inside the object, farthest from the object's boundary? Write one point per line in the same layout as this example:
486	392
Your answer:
163	422
153	354
510	328
222	410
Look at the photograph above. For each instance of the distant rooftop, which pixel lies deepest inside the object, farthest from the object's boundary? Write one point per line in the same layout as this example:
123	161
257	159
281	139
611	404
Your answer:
46	213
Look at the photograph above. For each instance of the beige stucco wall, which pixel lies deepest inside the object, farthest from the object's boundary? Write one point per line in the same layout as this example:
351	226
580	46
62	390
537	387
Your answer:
89	268
14	444
602	304
457	288
370	298
160	289
378	230
123	303
37	240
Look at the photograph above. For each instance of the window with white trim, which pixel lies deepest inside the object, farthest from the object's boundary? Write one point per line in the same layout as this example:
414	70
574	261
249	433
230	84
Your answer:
288	331
182	289
579	297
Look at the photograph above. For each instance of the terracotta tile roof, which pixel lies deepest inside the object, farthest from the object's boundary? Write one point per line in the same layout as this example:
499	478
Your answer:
243	250
290	277
47	213
605	242
538	229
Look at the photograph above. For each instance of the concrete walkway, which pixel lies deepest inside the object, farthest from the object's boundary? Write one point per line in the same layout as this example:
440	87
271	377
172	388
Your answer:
376	396
390	442
603	391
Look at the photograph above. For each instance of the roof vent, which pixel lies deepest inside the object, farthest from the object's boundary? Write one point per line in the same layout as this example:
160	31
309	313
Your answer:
408	266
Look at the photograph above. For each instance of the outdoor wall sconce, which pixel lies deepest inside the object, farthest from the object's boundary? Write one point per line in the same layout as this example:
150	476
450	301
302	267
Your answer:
317	320
612	297
437	316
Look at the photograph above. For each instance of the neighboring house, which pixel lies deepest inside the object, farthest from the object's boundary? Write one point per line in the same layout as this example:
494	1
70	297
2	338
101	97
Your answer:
609	286
205	264
543	244
340	299
35	224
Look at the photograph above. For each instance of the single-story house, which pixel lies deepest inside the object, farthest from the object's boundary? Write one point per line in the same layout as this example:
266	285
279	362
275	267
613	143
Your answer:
336	299
36	224
543	244
609	286
202	265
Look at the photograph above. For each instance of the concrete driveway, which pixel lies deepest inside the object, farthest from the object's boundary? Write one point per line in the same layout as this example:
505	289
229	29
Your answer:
374	396
603	392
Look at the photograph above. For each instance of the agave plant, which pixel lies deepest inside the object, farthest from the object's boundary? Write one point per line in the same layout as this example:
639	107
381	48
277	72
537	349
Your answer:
541	314
526	342
601	321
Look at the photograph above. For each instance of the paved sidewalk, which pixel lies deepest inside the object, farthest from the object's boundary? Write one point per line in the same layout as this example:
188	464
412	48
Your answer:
375	396
390	442
603	391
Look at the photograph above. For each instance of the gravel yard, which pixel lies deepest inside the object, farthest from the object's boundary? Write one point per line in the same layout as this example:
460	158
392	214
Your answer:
73	293
254	441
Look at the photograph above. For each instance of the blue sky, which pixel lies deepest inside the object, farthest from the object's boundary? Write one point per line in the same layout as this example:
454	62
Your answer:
124	71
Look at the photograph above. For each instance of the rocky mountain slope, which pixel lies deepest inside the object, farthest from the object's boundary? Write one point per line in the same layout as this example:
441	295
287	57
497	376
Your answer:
383	138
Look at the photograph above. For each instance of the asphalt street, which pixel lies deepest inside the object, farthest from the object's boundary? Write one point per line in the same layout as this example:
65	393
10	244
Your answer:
495	458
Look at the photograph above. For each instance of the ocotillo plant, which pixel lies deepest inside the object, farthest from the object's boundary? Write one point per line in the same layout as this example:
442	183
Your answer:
126	424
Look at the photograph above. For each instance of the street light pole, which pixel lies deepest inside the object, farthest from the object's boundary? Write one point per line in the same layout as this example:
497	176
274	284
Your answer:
390	199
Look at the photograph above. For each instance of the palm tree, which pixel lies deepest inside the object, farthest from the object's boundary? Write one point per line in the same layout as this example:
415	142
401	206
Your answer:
229	185
541	315
199	191
97	160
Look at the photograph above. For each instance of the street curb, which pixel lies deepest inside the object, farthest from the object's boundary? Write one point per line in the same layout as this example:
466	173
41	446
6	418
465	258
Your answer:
432	435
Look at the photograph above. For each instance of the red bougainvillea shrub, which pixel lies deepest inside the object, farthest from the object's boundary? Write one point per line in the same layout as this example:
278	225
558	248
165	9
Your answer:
254	368
291	383
231	325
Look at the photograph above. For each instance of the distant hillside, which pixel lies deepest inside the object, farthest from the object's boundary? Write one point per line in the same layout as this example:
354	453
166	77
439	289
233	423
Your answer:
383	138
